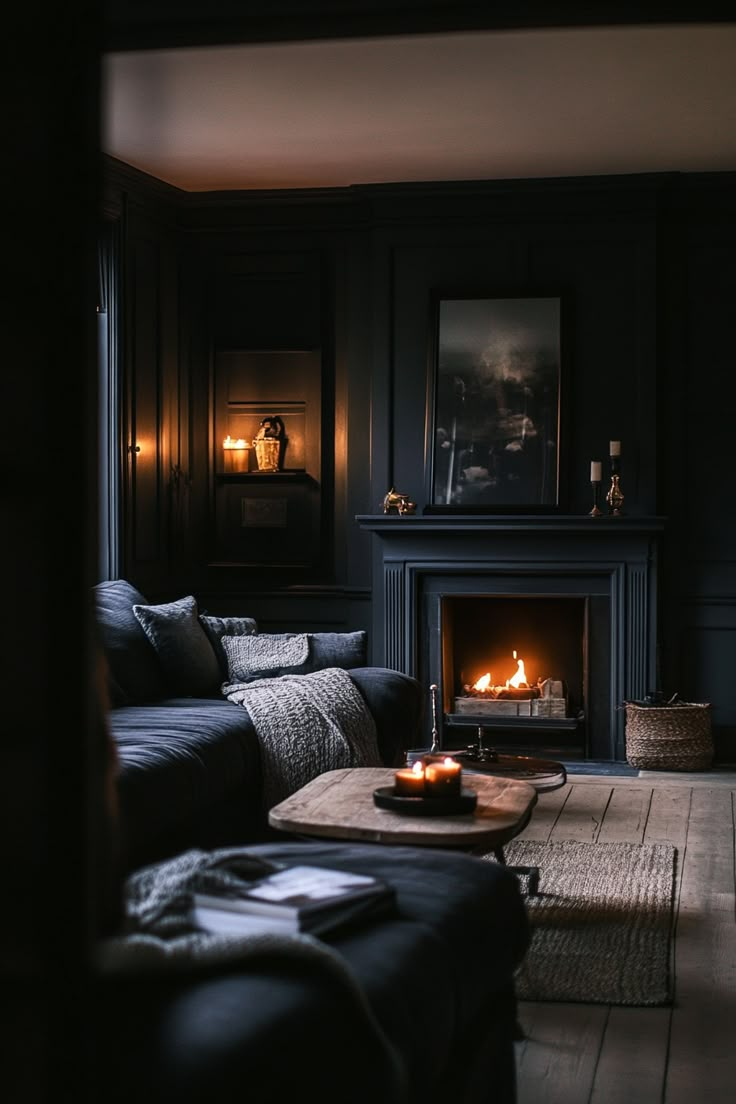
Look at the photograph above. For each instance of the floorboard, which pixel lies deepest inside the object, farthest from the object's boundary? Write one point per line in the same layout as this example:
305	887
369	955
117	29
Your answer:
686	1054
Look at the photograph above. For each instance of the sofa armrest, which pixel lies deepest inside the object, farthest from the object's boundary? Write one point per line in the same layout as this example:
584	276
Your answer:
396	703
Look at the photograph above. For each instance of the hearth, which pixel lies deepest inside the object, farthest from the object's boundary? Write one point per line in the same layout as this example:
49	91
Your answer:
575	598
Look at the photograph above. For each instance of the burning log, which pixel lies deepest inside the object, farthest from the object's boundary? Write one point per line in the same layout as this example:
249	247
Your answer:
515	698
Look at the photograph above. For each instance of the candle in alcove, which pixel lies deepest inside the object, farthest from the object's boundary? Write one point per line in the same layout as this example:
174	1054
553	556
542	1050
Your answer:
410	782
443	779
235	454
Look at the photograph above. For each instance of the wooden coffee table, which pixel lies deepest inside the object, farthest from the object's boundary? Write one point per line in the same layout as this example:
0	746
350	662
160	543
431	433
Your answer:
339	805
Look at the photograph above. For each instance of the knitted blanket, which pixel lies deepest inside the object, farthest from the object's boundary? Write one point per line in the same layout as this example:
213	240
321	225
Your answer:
306	725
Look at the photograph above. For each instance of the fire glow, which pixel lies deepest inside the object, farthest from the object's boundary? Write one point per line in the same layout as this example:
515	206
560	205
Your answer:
516	697
518	681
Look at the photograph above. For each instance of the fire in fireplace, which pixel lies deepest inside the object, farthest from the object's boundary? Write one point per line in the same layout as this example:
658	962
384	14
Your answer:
541	684
516	697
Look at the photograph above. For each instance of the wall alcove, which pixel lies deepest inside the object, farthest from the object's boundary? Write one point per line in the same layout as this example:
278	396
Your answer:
269	518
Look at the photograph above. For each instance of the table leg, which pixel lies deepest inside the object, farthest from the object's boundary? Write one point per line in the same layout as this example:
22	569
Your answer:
530	872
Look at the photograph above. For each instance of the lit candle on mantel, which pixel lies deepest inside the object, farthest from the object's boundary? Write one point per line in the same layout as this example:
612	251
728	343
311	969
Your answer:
443	779
410	782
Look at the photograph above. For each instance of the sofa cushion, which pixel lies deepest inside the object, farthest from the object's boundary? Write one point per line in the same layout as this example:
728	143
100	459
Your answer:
396	702
462	914
184	650
436	977
135	673
274	654
217	627
178	762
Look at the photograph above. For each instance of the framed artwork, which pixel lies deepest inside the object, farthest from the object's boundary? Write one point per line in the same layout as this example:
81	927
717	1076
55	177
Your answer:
495	394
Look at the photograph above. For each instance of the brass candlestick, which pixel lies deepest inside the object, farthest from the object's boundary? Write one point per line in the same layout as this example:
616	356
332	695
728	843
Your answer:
615	496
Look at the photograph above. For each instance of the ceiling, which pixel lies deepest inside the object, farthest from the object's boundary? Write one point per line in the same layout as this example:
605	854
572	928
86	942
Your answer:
479	105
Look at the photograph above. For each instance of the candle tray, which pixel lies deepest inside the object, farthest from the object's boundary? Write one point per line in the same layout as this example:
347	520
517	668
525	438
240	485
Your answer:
464	802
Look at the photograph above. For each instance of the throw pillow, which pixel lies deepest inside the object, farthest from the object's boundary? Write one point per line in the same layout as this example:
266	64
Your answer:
275	654
217	627
266	653
135	676
183	648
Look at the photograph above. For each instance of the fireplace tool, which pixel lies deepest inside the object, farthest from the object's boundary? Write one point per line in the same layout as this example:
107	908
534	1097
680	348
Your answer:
436	745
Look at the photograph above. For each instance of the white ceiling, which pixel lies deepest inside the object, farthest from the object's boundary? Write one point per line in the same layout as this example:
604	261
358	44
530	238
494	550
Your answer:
460	106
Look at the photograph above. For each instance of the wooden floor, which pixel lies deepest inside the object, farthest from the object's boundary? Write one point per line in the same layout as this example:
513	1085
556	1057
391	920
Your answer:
684	1054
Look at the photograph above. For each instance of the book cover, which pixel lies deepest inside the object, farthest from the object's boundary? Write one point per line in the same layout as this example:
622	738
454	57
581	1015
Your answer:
295	899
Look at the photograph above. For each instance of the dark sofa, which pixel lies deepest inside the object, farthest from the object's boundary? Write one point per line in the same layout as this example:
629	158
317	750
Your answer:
434	1016
189	760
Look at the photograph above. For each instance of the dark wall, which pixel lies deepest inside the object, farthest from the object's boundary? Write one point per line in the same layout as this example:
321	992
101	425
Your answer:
643	265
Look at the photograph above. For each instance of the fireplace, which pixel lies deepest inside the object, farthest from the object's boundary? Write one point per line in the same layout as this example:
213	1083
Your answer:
518	665
575	598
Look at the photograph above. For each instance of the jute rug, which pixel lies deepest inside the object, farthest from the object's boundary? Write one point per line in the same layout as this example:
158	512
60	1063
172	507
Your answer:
601	924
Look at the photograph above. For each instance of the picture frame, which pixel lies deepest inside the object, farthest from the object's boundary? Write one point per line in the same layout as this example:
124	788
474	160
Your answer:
495	391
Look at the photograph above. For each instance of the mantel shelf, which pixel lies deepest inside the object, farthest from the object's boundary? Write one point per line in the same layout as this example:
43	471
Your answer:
514	523
294	475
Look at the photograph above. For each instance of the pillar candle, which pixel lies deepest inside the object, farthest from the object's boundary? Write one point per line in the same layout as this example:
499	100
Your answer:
235	455
595	471
443	779
614	448
410	783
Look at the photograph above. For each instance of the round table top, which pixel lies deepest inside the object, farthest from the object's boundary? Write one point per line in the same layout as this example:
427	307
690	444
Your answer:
543	774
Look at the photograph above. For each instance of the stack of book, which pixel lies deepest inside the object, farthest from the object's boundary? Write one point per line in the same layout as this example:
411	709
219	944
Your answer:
294	899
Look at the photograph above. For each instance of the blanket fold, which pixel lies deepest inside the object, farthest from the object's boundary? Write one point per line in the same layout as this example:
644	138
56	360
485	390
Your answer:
306	725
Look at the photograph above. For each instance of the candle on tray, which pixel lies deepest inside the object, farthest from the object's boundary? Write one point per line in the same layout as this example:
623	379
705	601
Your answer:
595	471
614	448
443	779
410	783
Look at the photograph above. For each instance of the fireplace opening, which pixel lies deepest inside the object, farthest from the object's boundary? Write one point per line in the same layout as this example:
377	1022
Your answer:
517	666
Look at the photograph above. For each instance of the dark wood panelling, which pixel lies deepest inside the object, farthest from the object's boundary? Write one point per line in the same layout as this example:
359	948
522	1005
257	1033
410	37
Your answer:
265	300
644	265
604	269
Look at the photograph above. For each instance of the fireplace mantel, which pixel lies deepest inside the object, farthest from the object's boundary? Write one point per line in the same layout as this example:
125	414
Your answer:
608	559
405	524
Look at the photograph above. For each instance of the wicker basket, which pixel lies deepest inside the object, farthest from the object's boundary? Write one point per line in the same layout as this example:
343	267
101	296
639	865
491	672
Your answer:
676	737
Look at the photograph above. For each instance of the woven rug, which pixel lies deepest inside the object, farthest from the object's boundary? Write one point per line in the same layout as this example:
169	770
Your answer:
601	924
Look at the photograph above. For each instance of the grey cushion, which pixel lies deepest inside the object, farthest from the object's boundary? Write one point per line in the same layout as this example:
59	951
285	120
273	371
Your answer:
217	627
187	657
345	650
135	673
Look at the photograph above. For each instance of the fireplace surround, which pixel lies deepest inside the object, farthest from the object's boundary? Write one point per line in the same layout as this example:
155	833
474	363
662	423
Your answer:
450	592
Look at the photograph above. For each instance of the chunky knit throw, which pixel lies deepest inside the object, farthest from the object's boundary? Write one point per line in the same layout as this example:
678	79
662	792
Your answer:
306	725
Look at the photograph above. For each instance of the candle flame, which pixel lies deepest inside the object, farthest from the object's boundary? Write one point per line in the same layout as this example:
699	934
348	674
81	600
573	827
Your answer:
418	767
229	443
